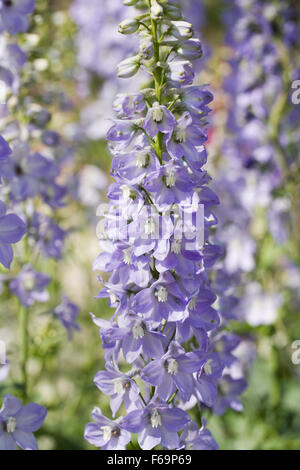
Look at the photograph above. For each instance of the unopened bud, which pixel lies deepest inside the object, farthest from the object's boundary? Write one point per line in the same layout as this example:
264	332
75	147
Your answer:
190	49
129	67
157	10
129	26
182	29
172	12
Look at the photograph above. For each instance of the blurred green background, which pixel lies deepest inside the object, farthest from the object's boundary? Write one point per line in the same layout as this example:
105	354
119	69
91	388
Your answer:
62	371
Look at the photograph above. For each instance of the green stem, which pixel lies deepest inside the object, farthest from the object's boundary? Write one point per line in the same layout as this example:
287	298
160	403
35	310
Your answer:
158	143
173	397
164	322
159	81
143	359
143	399
24	316
24	333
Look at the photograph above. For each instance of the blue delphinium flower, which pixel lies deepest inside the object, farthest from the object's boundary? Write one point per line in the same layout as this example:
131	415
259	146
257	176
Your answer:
119	386
17	424
107	434
14	15
27	173
30	286
173	371
194	438
155	424
67	313
165	324
159	119
48	236
12	229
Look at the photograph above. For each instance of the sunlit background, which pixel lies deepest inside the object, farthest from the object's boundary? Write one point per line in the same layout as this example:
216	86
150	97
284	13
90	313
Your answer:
77	86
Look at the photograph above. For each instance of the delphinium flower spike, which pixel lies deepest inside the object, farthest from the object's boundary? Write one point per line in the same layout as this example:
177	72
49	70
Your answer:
156	245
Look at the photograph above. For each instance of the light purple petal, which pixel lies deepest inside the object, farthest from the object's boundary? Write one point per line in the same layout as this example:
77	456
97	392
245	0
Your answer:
7	442
12	229
135	421
154	372
94	435
6	255
174	419
149	438
25	440
169	439
31	417
11	406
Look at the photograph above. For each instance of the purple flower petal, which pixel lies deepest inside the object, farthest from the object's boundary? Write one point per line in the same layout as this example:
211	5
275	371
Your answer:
31	417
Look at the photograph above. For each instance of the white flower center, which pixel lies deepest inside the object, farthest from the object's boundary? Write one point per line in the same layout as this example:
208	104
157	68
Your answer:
141	159
127	256
192	303
28	281
113	297
149	227
155	419
176	247
106	433
172	366
207	367
170	178
224	388
180	134
162	294
11	424
118	386
138	331
157	113
126	191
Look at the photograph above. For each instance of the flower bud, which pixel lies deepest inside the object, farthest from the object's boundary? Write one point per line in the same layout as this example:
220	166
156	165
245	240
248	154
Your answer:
129	67
172	12
157	10
190	49
181	29
129	26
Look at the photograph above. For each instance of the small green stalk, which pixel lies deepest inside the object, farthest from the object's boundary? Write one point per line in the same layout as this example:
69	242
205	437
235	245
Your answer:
24	317
159	82
24	333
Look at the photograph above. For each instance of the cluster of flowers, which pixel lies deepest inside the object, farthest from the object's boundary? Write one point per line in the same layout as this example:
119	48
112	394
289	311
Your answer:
29	196
177	356
97	38
261	154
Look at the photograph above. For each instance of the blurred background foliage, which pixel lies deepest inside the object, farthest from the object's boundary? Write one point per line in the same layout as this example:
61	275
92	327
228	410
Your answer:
62	371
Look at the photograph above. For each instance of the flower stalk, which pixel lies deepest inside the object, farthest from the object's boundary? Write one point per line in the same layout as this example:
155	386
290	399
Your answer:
160	283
